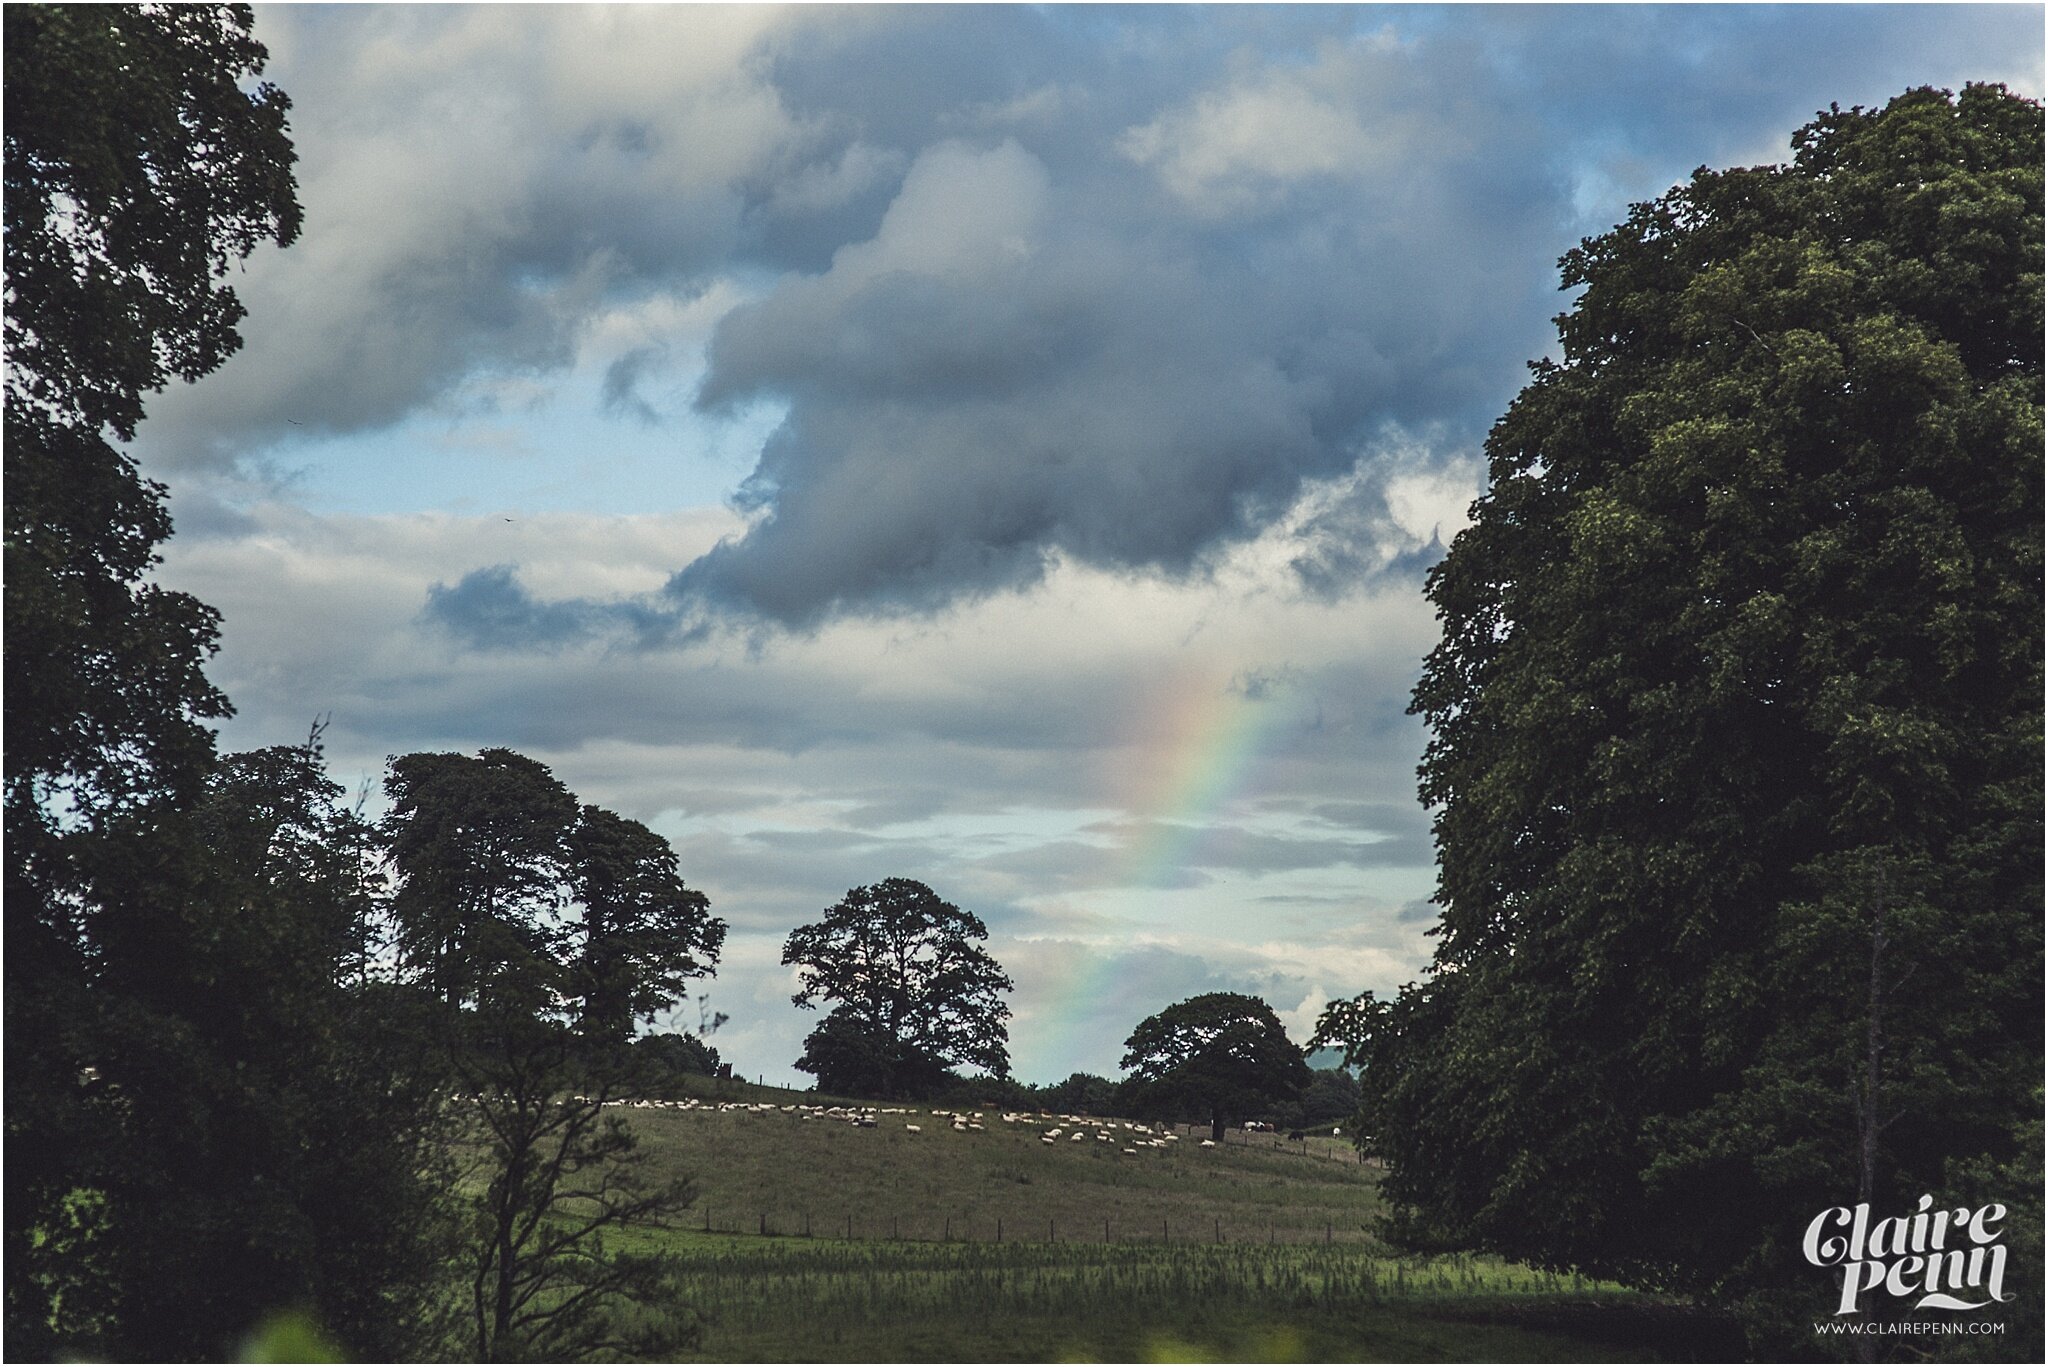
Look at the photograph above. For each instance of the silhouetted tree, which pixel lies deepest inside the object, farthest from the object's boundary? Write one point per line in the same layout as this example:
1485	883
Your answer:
916	994
1222	1054
479	846
645	935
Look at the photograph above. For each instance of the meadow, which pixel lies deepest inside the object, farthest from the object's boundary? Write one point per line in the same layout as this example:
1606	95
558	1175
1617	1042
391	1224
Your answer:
819	1241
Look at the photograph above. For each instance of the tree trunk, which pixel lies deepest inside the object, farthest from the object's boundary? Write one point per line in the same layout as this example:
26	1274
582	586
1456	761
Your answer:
1216	1125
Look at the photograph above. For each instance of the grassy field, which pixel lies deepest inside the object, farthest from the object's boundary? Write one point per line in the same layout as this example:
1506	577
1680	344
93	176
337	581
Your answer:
886	1245
777	1173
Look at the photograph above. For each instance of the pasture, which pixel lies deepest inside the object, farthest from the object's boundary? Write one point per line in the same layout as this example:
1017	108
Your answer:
774	1171
828	1241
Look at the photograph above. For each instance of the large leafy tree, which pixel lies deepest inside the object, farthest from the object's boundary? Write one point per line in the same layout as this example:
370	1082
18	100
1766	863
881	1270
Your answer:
1222	1055
479	845
1736	729
142	159
138	169
916	993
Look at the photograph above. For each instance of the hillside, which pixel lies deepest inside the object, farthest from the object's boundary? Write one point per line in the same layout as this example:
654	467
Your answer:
770	1165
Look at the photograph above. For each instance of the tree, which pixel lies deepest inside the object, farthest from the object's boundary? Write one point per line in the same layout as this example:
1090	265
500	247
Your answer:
257	1127
541	929
1735	728
561	1179
480	848
137	168
1081	1093
1222	1054
1331	1096
668	1054
645	935
916	995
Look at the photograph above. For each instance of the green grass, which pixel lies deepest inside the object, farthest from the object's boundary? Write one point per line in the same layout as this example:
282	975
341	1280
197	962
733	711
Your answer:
773	1171
802	1300
1257	1250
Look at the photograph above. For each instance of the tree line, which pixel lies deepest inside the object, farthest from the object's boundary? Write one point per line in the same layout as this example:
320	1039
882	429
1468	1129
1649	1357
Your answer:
918	996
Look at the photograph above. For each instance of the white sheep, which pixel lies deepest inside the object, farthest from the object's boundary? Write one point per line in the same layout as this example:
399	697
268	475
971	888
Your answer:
915	1129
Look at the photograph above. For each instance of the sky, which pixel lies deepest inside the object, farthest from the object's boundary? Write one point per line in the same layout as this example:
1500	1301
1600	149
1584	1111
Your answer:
996	446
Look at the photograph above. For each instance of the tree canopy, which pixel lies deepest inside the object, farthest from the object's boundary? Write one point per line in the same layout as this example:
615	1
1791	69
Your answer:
1222	1055
170	1001
1735	728
917	995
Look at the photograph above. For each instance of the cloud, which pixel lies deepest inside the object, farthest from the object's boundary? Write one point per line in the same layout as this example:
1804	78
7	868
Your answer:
1091	379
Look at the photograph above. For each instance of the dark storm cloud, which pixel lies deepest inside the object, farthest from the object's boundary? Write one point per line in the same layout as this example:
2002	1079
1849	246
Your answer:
489	609
1130	327
1109	284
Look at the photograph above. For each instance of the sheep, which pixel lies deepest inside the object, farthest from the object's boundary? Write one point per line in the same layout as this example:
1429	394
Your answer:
1047	1139
1208	1143
914	1129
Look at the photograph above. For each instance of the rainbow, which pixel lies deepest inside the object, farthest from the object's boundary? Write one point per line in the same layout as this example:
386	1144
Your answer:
1216	739
1208	745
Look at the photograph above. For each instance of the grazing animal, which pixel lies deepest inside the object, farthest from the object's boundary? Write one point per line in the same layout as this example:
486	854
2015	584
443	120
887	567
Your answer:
1296	1134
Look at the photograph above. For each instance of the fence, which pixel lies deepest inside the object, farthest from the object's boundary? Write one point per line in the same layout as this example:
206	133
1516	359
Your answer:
1328	1228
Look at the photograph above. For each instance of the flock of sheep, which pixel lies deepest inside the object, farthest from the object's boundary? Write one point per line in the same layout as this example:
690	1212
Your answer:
1140	1136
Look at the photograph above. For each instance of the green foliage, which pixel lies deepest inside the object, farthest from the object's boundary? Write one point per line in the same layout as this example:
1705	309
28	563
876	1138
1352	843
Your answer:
505	883
677	1053
1222	1055
290	1336
252	1126
204	1123
1084	1093
645	935
1736	727
916	994
480	849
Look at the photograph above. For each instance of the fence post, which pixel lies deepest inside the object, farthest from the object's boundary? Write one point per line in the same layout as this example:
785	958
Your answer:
764	1222
1219	1229
999	1229
949	1229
